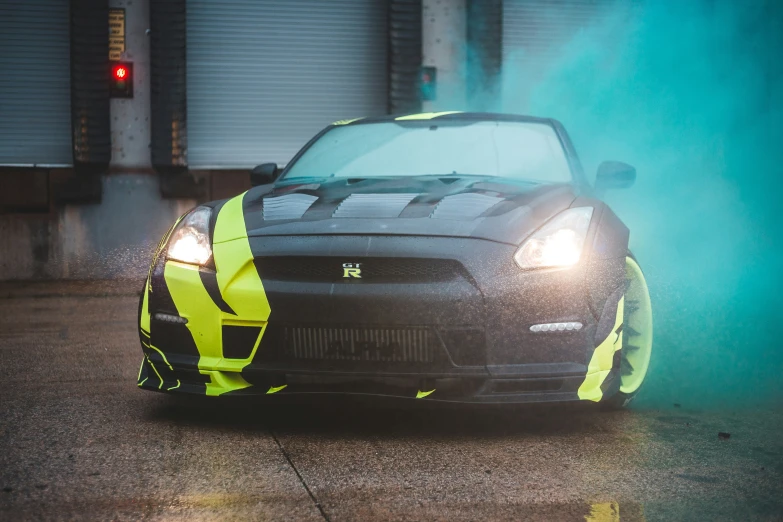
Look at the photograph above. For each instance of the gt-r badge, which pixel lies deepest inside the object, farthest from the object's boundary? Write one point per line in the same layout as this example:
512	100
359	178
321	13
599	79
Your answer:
352	270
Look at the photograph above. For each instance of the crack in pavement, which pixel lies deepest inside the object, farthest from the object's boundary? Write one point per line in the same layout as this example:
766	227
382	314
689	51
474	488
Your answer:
299	476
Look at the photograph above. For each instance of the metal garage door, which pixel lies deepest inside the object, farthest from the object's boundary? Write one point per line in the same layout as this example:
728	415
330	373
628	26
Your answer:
35	98
534	33
264	76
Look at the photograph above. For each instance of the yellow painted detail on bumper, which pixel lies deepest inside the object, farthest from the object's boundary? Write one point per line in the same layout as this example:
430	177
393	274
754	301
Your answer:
601	362
422	394
275	389
205	325
241	289
161	354
156	373
425	115
221	382
194	304
144	320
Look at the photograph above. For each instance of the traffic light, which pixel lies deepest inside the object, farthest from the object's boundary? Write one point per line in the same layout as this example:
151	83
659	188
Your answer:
121	80
428	80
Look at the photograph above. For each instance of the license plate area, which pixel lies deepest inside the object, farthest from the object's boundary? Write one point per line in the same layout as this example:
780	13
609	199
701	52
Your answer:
361	344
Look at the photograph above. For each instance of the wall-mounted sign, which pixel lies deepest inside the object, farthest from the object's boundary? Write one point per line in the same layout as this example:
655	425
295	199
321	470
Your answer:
116	34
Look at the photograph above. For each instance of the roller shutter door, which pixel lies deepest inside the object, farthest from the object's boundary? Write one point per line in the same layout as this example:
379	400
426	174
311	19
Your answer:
35	99
534	33
265	76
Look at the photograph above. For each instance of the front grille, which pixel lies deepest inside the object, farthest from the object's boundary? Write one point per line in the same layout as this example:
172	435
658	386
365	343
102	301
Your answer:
372	269
411	345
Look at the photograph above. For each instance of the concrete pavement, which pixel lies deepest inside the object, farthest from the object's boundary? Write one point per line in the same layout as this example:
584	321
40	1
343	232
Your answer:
79	440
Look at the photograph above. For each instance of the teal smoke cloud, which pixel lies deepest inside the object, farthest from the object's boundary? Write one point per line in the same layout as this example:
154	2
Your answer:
691	93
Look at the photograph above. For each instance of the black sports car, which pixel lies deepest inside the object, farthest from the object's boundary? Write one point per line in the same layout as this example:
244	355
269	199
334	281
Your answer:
442	256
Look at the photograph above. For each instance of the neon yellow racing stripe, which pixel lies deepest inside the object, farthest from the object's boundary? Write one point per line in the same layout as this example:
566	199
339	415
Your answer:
160	386
161	354
601	362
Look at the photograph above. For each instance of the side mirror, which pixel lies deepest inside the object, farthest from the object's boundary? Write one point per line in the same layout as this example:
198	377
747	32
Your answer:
264	174
614	175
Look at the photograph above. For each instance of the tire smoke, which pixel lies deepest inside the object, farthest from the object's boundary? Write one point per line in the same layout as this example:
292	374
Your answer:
691	93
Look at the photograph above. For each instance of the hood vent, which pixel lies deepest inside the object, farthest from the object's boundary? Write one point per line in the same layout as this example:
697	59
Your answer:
290	206
466	206
373	205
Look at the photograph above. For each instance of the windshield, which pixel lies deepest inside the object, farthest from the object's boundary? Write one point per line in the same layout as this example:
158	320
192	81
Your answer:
509	149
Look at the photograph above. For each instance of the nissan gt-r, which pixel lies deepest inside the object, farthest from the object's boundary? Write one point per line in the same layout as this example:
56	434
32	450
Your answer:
450	256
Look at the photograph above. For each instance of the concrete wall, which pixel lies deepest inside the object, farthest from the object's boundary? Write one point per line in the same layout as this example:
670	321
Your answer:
106	240
28	247
113	238
116	237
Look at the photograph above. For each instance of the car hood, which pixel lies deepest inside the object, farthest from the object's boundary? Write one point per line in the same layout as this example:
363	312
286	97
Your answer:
495	209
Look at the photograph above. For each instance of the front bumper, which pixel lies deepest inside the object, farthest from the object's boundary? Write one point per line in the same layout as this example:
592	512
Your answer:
513	384
408	329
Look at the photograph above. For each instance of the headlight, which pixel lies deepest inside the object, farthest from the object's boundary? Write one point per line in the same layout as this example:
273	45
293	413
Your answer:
559	243
189	242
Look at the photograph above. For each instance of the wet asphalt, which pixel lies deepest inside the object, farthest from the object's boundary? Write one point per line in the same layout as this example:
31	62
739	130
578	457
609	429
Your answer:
79	441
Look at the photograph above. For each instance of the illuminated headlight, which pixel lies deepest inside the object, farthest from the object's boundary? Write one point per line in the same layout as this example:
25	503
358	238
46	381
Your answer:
559	243
189	242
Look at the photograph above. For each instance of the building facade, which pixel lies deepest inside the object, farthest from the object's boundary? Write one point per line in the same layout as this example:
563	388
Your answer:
89	180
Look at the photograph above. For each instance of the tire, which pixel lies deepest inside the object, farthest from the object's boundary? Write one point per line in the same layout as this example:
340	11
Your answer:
637	336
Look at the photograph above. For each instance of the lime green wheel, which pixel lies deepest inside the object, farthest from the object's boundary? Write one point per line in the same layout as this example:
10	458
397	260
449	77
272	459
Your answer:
637	334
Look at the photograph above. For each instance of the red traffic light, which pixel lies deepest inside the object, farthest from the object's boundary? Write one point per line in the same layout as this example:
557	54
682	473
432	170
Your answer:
121	80
120	72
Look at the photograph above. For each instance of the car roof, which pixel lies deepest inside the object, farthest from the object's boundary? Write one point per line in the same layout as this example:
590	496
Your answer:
448	116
